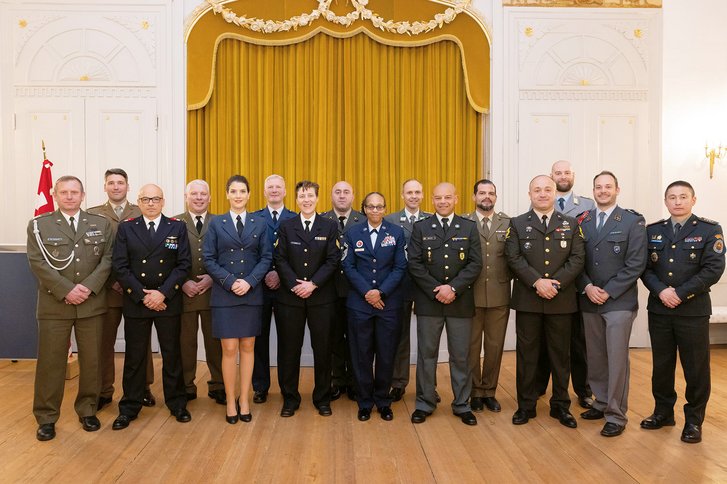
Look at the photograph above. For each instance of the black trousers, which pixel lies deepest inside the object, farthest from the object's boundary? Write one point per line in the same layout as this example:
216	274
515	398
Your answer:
578	361
341	371
291	331
137	332
261	369
690	336
533	331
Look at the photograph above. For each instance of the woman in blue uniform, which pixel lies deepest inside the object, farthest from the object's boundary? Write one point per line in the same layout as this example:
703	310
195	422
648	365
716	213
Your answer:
374	263
237	255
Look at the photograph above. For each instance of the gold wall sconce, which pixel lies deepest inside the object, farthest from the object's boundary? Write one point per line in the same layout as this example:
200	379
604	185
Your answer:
714	155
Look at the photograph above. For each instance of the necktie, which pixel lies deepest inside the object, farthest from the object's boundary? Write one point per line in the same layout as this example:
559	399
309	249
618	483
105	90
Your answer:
374	236
545	222
275	216
486	227
152	232
239	226
73	226
118	210
601	217
412	219
198	225
342	222
677	228
561	203
445	224
307	226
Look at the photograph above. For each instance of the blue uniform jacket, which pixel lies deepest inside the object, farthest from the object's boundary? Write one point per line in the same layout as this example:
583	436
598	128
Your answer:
381	267
228	257
273	227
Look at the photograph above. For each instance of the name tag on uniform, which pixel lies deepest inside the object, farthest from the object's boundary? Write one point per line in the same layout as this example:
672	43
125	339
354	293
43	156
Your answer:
171	243
293	242
429	237
93	233
359	250
321	238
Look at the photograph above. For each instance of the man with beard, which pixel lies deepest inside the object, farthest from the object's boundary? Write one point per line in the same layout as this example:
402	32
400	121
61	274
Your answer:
117	209
492	298
412	194
568	203
345	217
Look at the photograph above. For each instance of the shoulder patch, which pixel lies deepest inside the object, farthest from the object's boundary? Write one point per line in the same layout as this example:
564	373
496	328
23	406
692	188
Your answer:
708	221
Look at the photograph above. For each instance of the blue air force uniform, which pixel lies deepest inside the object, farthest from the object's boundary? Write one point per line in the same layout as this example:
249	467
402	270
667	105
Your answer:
374	331
690	261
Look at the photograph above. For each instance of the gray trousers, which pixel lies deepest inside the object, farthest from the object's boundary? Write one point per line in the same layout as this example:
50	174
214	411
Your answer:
429	333
607	342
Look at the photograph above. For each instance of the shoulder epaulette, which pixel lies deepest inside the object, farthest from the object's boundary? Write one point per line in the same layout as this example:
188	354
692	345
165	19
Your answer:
130	219
46	214
174	219
97	207
708	221
631	210
502	215
658	222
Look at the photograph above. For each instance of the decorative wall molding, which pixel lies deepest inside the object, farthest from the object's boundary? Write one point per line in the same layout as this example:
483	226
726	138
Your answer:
636	33
27	25
584	3
583	95
143	28
73	91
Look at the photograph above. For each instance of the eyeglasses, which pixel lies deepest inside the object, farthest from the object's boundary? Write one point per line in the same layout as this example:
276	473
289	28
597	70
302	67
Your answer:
147	200
377	208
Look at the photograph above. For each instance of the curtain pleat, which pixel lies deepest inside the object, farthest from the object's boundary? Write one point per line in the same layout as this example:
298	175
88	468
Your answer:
331	109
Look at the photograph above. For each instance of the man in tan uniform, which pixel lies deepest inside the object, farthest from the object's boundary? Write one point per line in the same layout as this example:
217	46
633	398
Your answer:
197	292
116	209
69	252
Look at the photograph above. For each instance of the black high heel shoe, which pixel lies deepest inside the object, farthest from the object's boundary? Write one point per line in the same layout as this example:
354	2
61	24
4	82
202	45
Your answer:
232	419
247	417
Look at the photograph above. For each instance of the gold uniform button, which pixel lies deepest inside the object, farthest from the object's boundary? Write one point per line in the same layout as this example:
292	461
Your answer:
547	275
143	261
446	256
548	250
242	261
129	290
446	278
673	246
305	278
446	245
78	273
547	238
305	264
671	260
161	261
78	260
176	286
76	245
143	274
487	267
373	282
446	267
199	249
670	274
305	250
232	250
487	243
160	274
547	262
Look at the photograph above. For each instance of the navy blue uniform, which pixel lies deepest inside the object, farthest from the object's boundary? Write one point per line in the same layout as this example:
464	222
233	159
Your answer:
162	263
691	262
261	370
374	332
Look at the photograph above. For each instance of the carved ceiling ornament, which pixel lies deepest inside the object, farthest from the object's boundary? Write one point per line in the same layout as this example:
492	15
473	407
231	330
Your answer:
584	3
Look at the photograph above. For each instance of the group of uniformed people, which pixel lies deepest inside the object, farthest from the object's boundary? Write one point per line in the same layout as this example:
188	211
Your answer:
354	277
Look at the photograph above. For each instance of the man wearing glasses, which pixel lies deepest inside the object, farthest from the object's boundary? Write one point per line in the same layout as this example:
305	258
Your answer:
151	260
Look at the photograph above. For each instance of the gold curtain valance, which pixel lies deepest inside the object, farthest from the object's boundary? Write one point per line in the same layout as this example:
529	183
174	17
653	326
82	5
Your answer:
207	31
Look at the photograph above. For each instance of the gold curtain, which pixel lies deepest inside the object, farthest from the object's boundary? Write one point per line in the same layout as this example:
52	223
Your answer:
330	109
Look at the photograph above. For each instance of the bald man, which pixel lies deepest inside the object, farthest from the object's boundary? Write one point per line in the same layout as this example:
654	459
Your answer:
444	262
545	251
152	260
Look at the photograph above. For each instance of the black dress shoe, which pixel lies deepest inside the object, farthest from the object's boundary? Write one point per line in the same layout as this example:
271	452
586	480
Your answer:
232	419
90	424
351	392
419	416
148	400
437	397
325	410
467	418
657	420
612	429
692	433
46	432
492	404
335	392
246	417
364	414
182	415
386	413
592	414
218	396
122	421
564	417
521	416
102	402
191	396
260	396
477	404
287	412
396	393
585	402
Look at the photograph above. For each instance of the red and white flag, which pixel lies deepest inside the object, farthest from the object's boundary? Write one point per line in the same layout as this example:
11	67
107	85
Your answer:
44	202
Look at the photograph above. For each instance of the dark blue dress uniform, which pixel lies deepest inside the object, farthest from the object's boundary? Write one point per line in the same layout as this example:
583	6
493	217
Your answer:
691	262
229	257
308	256
374	332
162	263
261	370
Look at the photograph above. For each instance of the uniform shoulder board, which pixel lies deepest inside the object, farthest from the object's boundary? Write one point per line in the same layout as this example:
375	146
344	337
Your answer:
97	207
658	222
96	215
130	219
46	214
502	215
174	219
708	221
631	210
